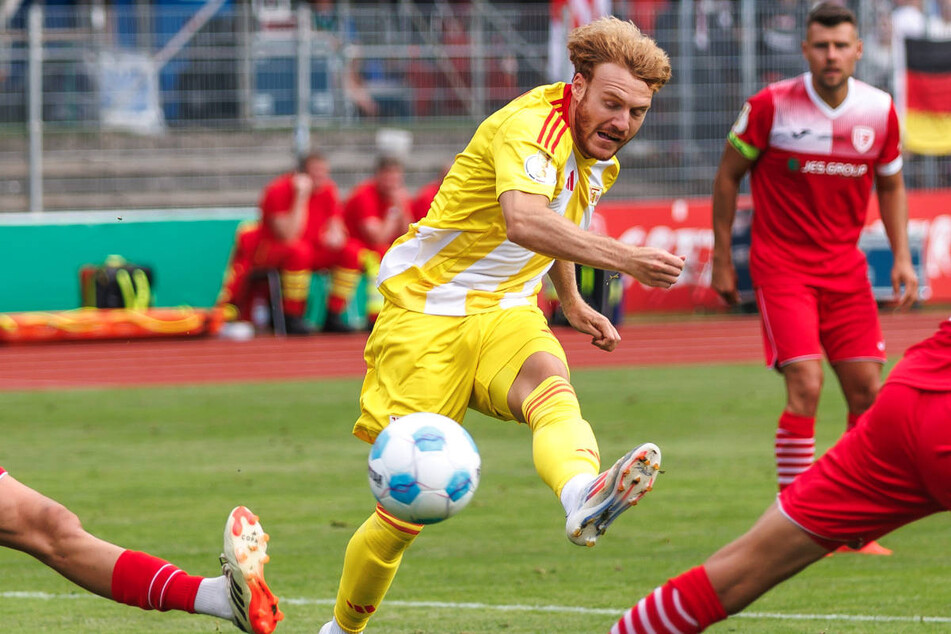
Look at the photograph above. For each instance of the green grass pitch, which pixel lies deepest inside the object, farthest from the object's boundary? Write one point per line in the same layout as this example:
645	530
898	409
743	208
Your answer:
158	470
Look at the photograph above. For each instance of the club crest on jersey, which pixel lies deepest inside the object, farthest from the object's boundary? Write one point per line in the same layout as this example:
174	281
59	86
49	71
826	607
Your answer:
862	138
595	195
539	168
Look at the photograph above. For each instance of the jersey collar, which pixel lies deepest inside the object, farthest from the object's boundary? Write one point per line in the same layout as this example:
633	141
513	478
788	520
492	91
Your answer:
826	109
564	104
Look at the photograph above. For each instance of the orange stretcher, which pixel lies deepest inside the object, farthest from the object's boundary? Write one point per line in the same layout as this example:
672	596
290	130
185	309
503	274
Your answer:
109	323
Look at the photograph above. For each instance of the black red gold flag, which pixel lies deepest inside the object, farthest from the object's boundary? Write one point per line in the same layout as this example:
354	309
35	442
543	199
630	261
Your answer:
928	96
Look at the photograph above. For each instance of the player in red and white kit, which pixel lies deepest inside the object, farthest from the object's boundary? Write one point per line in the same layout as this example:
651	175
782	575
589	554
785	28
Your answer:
45	529
814	146
300	231
425	195
377	212
893	468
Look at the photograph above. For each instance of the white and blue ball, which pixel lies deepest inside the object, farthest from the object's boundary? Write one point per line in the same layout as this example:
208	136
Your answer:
424	468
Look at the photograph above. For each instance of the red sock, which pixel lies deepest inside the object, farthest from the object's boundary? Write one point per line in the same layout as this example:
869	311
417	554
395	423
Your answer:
851	421
685	605
151	583
795	446
336	304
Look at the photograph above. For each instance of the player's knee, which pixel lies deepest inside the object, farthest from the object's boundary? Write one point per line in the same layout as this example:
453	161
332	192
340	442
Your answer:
804	387
860	398
57	529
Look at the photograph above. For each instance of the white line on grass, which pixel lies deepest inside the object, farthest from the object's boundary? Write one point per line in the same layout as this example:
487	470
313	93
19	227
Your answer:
45	596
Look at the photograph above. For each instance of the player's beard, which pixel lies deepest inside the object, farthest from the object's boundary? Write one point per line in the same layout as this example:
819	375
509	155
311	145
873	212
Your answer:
587	131
830	86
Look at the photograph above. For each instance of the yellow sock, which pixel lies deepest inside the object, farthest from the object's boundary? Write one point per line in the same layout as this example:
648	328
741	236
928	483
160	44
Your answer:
374	300
563	444
295	285
372	559
343	282
371	265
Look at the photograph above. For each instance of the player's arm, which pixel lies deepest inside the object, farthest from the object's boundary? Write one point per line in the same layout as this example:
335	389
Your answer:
531	224
289	226
726	187
578	312
893	206
382	231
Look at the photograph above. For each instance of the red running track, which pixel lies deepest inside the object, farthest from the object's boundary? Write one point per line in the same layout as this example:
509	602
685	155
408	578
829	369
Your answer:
678	340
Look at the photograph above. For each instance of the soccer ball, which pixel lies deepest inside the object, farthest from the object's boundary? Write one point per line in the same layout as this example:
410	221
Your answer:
424	468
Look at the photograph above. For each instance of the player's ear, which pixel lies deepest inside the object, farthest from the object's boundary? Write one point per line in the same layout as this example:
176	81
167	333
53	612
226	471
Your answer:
578	85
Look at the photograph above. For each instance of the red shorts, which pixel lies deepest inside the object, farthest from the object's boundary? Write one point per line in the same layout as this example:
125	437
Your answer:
800	321
893	468
348	257
2	471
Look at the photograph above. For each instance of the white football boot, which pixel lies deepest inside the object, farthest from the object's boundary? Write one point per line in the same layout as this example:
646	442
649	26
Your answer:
612	493
245	553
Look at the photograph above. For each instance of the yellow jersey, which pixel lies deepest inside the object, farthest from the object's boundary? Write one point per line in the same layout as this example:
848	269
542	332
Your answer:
457	260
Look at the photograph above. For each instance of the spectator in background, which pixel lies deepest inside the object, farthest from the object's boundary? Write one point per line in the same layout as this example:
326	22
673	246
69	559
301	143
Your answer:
334	34
644	13
877	61
502	76
376	213
714	78
299	231
360	78
780	53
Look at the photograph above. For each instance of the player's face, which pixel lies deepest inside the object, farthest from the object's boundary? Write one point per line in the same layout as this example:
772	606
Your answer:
389	181
318	170
831	52
608	110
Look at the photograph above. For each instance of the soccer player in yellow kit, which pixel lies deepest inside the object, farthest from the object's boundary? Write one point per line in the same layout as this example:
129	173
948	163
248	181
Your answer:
461	327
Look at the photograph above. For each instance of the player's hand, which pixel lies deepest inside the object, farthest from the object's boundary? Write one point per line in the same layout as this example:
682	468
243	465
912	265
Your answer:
303	184
904	285
587	320
723	281
655	267
334	235
397	221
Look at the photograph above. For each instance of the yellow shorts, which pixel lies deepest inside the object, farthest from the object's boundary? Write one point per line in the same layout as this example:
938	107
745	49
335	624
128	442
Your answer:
432	363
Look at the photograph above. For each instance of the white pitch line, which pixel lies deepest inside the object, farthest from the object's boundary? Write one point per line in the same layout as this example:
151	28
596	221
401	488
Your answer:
45	596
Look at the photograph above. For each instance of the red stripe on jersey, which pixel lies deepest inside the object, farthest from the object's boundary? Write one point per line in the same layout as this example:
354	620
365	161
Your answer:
560	126
560	134
556	121
541	133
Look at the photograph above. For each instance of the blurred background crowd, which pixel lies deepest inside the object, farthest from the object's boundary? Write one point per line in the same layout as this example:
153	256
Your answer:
198	103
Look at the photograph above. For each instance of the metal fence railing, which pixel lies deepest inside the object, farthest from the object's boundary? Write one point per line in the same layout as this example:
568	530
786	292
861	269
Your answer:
152	105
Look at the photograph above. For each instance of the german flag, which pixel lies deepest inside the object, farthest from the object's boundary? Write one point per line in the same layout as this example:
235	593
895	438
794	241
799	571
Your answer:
928	101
